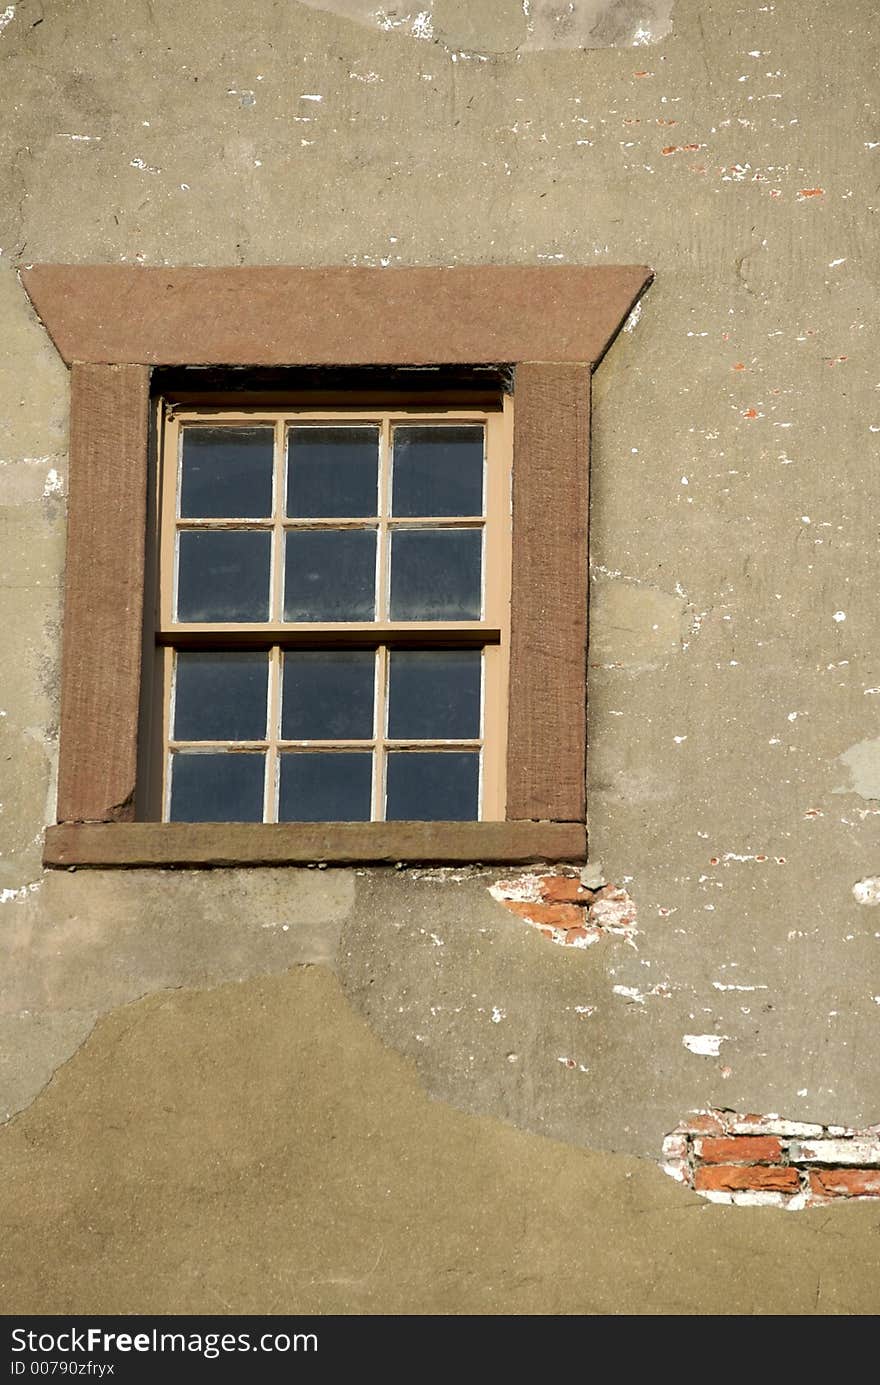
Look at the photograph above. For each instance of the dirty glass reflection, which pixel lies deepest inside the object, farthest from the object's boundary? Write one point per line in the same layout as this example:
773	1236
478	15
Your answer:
223	575
434	694
438	471
217	787
436	574
220	696
319	786
226	473
332	472
432	786
328	695
330	574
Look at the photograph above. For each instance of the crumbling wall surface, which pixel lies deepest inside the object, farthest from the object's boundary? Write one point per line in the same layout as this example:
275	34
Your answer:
734	682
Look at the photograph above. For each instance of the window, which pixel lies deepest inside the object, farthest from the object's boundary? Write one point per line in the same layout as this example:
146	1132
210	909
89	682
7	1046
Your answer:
333	614
117	326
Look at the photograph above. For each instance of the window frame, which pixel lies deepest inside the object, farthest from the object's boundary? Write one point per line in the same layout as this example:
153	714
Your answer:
490	633
114	324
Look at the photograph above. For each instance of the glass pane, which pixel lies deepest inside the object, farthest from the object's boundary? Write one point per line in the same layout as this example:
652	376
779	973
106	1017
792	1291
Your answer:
325	786
217	786
435	574
330	574
434	694
328	695
433	785
223	575
220	697
438	471
226	473
332	472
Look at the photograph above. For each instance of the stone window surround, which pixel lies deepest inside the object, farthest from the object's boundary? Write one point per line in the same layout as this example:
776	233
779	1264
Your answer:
113	323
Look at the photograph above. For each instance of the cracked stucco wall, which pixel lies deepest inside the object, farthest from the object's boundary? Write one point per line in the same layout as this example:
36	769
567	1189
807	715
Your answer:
734	674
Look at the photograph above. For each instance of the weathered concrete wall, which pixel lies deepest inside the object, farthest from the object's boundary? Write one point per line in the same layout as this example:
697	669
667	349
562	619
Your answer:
735	677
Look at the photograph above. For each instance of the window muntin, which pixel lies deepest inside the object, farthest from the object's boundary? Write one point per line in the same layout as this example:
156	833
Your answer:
346	646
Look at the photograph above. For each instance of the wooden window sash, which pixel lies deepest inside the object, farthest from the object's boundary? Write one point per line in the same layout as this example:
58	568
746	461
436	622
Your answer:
276	635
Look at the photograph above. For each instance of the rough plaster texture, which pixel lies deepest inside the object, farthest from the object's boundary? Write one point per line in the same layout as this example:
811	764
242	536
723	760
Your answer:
734	681
508	27
248	1164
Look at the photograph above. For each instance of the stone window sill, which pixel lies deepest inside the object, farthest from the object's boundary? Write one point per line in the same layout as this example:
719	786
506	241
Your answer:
132	844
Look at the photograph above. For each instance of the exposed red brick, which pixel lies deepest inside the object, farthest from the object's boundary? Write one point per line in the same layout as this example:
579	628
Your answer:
556	915
605	891
564	889
845	1182
740	1149
756	1178
572	934
706	1124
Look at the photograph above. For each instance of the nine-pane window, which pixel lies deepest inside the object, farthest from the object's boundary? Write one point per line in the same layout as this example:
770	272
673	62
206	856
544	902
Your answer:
333	608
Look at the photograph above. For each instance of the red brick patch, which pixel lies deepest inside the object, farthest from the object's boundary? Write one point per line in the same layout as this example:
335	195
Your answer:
567	911
771	1160
556	915
845	1182
706	1124
565	889
745	1149
752	1178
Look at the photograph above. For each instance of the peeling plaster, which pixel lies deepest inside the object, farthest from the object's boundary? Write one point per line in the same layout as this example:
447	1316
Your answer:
862	762
528	26
867	891
636	626
704	1045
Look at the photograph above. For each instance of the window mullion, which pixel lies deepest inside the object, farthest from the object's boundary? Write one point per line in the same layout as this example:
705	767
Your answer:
270	804
279	507
378	810
383	559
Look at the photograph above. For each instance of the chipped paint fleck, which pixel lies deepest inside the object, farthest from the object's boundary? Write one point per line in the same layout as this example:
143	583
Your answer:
8	896
704	1045
721	986
867	891
633	320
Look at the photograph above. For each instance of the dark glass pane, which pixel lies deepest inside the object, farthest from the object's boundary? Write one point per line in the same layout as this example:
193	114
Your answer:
435	574
226	473
220	697
332	472
434	694
223	575
217	787
325	786
432	785
330	574
438	471
328	695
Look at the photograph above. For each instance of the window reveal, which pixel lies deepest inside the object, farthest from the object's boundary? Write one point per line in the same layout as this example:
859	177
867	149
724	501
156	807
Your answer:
333	615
